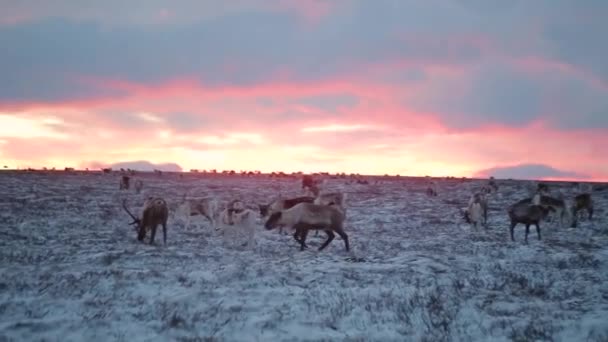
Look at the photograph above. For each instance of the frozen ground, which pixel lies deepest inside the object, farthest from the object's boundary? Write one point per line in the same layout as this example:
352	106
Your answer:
71	269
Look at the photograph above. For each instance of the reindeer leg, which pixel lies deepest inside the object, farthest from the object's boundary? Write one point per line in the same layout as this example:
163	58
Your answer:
527	231
344	237
485	218
187	219
296	236
165	233
513	224
574	223
537	230
153	234
303	239
330	237
210	220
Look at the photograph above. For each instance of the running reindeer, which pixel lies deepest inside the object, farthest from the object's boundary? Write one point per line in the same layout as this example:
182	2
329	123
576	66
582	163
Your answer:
306	216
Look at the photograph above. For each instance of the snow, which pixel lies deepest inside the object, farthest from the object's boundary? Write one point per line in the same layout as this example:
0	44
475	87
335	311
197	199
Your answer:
72	270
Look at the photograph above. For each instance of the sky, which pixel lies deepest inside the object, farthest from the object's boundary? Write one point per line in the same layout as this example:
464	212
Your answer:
515	89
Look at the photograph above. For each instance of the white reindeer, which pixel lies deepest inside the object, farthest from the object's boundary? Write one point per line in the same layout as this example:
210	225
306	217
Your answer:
206	207
236	219
139	185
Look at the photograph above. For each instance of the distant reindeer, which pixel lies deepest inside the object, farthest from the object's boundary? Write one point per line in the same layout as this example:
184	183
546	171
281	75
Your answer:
306	216
477	210
492	184
311	186
581	202
155	212
431	189
124	182
543	189
139	185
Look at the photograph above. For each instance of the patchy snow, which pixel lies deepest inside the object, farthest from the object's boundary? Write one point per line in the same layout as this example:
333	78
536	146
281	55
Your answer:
72	270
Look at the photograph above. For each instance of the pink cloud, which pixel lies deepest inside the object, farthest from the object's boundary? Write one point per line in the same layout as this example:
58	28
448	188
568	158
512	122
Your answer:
381	136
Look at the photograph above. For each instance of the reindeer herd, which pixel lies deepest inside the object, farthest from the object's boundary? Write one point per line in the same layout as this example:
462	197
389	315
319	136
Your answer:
532	210
326	211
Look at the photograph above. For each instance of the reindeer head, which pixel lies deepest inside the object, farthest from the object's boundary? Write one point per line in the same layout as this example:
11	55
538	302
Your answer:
263	209
273	220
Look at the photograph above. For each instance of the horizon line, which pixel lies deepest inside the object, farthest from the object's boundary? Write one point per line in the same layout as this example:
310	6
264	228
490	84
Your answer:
233	173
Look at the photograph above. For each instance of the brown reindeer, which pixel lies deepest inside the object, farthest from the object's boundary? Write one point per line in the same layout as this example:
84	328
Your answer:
528	214
155	212
124	182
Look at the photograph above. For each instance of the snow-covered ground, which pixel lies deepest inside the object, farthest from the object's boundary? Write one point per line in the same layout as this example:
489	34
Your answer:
72	270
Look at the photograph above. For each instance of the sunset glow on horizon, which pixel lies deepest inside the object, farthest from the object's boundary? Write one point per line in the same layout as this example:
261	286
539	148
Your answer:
398	87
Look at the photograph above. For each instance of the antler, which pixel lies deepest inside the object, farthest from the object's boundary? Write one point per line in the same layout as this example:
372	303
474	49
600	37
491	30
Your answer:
135	219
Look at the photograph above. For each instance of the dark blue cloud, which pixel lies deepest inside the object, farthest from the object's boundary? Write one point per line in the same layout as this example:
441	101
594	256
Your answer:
248	44
507	94
528	171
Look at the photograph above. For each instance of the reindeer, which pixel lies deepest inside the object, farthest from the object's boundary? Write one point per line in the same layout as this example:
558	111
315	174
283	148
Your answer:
336	199
139	185
543	189
155	212
282	204
206	207
234	218
306	216
527	214
558	206
477	210
124	182
311	186
431	189
581	201
492	184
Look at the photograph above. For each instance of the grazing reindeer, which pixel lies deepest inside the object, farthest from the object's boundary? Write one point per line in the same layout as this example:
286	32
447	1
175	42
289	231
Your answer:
206	207
528	215
155	212
124	182
306	216
581	201
139	185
